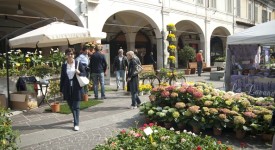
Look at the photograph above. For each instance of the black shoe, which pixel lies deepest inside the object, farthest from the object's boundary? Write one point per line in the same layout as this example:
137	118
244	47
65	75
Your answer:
96	98
103	97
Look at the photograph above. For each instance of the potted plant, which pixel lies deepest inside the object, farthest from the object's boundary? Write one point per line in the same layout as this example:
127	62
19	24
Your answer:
53	94
185	55
42	70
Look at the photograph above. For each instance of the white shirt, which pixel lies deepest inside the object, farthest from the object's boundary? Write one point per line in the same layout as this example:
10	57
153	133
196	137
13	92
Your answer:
71	70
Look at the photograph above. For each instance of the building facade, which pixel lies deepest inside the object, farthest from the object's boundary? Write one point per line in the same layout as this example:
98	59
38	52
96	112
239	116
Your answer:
141	25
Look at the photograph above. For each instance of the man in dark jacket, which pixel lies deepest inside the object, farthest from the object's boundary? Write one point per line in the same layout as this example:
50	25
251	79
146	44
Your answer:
98	66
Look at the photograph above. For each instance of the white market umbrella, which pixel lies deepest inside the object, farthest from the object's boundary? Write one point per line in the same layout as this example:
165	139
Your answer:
53	34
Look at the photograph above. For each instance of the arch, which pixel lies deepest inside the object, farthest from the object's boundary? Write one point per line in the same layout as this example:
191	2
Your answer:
218	43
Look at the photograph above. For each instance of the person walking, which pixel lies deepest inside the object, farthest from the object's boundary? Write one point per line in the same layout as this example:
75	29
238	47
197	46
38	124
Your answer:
120	67
199	59
98	66
84	59
133	79
69	86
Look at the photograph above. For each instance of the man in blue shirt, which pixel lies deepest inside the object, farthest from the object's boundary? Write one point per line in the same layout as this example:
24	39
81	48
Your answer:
98	66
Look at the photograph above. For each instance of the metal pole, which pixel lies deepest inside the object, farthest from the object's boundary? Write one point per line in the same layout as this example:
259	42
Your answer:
162	34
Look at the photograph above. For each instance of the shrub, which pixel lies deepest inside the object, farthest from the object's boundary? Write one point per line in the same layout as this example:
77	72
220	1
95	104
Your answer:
8	136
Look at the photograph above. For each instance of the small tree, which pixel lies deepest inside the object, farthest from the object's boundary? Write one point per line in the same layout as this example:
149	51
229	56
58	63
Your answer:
186	54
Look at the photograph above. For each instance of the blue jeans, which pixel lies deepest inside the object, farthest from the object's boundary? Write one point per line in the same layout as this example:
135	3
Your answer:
98	77
74	106
134	93
120	73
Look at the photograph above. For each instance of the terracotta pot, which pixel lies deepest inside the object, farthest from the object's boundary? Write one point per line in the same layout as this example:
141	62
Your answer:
55	107
240	134
187	71
267	137
217	131
196	129
85	97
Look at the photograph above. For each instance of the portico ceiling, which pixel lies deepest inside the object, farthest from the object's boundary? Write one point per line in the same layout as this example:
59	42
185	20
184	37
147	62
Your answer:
33	11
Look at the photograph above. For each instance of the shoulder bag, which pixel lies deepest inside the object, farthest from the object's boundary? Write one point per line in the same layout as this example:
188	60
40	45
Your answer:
82	80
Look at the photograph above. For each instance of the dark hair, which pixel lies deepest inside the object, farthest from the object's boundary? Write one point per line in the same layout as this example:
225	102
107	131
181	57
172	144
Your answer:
69	50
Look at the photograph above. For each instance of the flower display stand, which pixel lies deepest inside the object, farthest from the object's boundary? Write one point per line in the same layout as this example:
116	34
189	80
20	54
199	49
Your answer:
266	137
140	93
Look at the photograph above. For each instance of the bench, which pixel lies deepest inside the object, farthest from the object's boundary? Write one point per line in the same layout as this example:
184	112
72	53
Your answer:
193	67
148	75
216	75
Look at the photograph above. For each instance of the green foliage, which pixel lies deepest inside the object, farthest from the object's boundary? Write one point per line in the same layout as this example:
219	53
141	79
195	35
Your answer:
220	59
54	90
187	54
42	70
160	138
8	136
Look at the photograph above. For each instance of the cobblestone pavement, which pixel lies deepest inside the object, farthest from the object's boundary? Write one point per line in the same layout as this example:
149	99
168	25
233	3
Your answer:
45	131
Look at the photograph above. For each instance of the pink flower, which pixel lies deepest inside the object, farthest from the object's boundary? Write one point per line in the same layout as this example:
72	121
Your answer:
165	94
123	131
197	94
182	89
194	109
170	88
190	90
250	114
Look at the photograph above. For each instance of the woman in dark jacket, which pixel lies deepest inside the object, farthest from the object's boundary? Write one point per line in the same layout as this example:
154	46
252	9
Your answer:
69	85
133	79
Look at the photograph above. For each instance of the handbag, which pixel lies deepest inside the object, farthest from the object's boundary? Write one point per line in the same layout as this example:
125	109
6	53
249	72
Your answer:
82	80
138	69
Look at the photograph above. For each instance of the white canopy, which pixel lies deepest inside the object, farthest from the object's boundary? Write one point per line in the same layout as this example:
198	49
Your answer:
53	34
260	34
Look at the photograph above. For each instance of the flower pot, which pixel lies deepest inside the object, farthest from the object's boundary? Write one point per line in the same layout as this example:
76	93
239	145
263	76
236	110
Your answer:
266	136
217	131
55	107
181	126
240	134
167	125
196	129
187	71
85	97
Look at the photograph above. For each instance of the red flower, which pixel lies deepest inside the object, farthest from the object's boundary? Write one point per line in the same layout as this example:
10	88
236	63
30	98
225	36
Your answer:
151	124
199	148
123	131
219	142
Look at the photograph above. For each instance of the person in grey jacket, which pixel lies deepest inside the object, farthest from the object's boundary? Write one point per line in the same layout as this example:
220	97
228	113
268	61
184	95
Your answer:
120	66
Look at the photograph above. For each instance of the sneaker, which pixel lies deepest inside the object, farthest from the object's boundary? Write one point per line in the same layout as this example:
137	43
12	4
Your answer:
76	128
132	107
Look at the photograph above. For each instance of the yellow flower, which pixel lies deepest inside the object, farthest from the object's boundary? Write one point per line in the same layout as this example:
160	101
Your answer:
28	60
171	35
17	64
172	48
172	59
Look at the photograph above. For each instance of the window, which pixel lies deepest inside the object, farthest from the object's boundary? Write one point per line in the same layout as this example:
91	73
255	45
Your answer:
250	5
200	2
238	5
256	14
213	4
229	6
264	16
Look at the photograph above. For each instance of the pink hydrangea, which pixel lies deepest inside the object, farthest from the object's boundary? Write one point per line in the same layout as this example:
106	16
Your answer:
197	94
165	94
174	94
249	114
194	109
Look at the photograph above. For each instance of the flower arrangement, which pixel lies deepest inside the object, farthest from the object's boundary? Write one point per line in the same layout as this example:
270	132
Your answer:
172	48
171	27
201	104
151	136
145	87
171	37
172	59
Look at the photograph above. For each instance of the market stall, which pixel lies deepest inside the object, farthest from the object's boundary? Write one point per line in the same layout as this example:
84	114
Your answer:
248	61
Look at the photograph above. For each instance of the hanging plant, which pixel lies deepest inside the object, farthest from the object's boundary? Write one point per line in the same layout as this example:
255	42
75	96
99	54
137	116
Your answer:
171	27
172	59
171	37
172	48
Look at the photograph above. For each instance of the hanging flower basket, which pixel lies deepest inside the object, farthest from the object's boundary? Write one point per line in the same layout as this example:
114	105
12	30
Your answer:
172	59
171	37
171	27
172	48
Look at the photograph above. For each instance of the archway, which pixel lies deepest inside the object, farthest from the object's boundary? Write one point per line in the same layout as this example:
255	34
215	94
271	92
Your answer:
218	43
